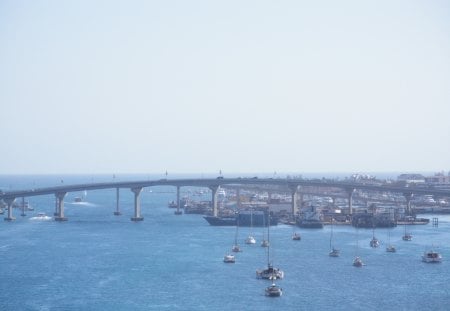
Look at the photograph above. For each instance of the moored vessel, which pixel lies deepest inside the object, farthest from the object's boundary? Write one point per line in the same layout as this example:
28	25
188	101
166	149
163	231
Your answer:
431	257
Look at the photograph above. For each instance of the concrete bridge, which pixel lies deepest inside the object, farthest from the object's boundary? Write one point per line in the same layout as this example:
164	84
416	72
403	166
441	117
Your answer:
292	185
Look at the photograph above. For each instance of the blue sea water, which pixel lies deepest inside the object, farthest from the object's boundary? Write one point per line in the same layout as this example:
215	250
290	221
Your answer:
98	261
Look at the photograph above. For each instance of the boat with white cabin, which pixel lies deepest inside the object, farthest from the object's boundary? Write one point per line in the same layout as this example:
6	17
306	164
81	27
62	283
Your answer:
431	257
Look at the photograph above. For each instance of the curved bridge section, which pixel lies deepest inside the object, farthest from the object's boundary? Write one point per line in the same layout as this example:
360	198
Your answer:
136	187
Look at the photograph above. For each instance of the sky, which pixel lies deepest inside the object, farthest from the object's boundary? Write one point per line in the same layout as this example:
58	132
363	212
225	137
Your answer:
232	86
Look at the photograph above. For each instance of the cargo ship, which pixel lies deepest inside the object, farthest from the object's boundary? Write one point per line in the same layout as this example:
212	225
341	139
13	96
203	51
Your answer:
244	219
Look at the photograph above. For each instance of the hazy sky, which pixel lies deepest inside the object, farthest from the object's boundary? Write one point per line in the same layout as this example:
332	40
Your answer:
237	86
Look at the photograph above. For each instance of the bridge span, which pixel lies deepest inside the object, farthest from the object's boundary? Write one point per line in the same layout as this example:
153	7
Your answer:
292	185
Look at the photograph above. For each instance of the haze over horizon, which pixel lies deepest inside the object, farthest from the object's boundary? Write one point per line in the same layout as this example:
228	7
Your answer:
197	87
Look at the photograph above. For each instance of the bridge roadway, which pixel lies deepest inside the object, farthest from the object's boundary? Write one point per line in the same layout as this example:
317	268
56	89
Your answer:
213	184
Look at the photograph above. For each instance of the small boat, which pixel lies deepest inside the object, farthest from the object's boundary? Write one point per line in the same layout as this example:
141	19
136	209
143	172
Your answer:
431	257
178	212
296	236
78	200
172	204
334	253
270	273
274	291
357	262
41	216
391	249
374	242
264	242
407	237
250	240
236	249
229	258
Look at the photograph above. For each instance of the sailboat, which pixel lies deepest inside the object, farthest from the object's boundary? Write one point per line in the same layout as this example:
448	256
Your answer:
374	242
357	262
264	243
250	239
270	273
296	236
334	252
236	248
406	236
390	248
229	258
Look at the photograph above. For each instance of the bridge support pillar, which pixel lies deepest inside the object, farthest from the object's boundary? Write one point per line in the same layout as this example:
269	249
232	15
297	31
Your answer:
10	202
294	207
300	199
23	207
117	212
137	204
60	199
214	200
408	196
178	212
350	200
56	213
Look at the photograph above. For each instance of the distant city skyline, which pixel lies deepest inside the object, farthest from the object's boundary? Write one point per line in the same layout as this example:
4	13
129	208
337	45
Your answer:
119	87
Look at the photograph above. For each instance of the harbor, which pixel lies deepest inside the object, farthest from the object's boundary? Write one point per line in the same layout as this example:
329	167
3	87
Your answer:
108	258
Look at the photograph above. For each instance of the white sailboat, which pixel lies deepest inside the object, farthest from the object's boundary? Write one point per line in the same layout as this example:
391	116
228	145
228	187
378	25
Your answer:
374	242
334	252
357	262
406	236
236	248
250	239
264	242
390	248
270	273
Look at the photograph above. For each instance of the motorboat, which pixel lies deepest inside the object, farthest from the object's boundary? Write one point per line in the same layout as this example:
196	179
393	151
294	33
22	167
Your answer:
374	242
265	243
334	253
357	262
431	257
391	249
296	236
41	216
229	258
274	291
250	240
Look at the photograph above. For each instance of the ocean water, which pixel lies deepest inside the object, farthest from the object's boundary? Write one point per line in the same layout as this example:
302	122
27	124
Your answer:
98	261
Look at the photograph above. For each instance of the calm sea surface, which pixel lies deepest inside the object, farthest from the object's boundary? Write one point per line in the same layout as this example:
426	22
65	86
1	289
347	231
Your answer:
98	261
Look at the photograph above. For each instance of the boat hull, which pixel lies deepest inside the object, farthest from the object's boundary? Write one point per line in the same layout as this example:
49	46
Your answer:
243	219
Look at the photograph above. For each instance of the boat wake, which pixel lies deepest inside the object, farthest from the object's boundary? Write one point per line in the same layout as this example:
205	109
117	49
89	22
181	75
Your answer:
81	203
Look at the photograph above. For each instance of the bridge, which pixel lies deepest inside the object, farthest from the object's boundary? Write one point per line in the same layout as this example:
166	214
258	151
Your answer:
292	185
